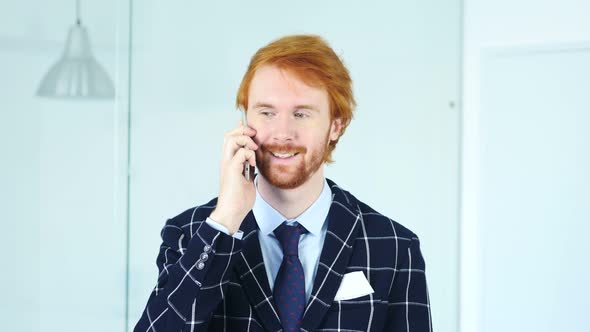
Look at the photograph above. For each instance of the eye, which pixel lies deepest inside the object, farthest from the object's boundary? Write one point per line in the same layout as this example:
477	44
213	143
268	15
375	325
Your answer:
267	113
300	115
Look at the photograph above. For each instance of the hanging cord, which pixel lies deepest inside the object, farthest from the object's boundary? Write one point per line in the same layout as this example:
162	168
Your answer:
78	12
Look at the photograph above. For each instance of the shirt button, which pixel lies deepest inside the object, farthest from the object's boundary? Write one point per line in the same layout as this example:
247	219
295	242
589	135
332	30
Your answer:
204	257
207	248
200	265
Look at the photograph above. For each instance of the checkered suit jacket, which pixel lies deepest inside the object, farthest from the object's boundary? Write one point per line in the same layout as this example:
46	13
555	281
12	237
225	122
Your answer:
209	281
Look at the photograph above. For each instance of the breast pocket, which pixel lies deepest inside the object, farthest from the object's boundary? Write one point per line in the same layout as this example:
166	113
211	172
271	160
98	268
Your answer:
355	314
358	303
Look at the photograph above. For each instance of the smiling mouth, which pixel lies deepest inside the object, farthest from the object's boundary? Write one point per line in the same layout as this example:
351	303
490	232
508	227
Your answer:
284	155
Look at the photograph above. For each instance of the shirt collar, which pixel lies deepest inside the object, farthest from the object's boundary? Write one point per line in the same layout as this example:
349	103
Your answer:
312	219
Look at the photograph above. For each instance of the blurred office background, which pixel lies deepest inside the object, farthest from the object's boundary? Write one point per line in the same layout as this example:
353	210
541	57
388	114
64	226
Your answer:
471	130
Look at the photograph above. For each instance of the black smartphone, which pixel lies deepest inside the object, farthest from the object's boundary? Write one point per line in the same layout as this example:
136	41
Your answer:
248	170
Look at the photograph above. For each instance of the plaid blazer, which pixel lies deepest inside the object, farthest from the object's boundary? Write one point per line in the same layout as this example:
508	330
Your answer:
210	281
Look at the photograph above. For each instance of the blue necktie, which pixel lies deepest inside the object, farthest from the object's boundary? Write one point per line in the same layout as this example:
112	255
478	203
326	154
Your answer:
289	288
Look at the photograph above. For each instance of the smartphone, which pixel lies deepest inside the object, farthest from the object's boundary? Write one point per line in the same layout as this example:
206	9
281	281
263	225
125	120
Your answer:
248	170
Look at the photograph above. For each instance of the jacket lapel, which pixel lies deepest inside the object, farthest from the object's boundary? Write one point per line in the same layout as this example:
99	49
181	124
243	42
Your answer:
343	225
252	273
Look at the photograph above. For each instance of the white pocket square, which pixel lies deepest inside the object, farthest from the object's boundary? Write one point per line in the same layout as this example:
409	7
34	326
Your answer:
354	284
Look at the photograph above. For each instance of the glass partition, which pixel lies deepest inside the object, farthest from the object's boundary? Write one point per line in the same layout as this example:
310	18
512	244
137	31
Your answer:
63	169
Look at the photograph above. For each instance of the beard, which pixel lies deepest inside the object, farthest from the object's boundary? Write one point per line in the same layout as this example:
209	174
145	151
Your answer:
293	175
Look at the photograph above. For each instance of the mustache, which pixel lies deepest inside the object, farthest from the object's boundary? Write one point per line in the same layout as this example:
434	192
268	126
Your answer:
283	148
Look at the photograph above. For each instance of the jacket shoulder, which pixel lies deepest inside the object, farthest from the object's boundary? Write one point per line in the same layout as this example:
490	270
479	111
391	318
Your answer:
193	215
378	224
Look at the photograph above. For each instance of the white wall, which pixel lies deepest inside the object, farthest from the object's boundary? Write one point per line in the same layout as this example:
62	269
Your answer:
400	155
524	185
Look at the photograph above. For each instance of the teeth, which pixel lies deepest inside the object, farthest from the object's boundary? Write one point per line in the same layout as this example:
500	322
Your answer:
283	155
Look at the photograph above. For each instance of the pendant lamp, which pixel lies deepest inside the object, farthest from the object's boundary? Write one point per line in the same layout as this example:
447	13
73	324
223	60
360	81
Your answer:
77	75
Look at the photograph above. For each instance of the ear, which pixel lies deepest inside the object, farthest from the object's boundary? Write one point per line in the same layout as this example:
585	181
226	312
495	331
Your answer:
335	129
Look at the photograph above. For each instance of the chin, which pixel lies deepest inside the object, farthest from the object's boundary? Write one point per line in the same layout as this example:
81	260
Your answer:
285	181
289	176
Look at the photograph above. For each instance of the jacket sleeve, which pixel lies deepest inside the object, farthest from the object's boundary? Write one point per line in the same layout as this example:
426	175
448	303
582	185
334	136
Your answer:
193	276
409	305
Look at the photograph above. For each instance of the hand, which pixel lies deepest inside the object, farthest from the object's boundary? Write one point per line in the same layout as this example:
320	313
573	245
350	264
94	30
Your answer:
236	194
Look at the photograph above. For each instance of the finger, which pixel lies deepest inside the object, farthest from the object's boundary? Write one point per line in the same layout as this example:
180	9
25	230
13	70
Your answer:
241	130
243	141
241	156
232	144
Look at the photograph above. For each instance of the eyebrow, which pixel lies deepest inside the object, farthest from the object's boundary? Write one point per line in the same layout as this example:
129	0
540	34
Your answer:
262	105
305	106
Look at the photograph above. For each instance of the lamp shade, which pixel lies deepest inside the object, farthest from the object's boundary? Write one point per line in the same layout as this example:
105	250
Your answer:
77	74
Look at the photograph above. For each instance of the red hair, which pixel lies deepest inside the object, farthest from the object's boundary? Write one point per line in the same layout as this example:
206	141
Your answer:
312	60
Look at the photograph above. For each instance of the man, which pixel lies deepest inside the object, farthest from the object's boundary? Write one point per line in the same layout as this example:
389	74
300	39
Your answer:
290	250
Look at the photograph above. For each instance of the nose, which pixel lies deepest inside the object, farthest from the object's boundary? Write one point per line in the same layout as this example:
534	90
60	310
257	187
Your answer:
284	129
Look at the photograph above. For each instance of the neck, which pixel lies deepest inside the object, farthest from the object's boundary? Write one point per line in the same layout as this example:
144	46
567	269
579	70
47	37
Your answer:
291	203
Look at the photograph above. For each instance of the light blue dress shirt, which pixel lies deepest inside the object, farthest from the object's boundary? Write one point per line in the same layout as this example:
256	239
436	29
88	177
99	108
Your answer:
314	219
